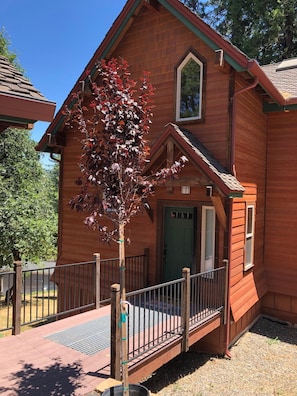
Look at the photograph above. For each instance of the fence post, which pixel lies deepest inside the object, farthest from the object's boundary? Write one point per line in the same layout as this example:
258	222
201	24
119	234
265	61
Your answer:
186	309
97	280
115	333
146	260
226	264
17	298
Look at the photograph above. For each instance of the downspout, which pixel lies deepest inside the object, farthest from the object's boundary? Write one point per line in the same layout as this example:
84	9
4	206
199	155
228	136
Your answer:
54	158
233	101
233	171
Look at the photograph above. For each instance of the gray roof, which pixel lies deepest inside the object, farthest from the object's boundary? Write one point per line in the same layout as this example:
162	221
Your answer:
209	161
12	82
284	76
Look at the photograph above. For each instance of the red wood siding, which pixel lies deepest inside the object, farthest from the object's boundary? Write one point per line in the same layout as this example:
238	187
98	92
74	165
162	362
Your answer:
265	147
247	287
156	42
280	306
281	205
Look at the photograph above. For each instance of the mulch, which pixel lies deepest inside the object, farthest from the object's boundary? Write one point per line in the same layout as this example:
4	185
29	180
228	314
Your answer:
263	362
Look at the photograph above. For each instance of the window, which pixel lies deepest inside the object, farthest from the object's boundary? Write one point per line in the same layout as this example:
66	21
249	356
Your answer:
208	224
249	237
189	89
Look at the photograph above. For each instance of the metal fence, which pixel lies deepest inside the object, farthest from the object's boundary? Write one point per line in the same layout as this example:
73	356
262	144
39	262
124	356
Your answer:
36	295
6	284
157	315
154	316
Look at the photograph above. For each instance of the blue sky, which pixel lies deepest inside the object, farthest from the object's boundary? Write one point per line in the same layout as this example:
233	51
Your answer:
54	40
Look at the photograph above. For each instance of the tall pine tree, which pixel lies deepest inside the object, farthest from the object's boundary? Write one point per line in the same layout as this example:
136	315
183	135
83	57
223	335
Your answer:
263	29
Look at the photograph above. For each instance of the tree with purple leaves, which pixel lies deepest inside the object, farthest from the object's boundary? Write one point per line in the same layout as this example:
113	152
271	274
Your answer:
114	116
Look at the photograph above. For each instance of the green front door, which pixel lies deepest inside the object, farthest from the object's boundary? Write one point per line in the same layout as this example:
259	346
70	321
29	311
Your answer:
178	241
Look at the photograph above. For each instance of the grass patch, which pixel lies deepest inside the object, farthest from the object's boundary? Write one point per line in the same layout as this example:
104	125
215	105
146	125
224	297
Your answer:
35	307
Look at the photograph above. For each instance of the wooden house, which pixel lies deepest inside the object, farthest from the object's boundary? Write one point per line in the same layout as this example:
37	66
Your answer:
236	197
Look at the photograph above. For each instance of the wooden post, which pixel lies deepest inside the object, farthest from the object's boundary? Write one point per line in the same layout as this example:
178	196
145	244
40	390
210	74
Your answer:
124	311
186	296
97	280
226	264
17	298
115	333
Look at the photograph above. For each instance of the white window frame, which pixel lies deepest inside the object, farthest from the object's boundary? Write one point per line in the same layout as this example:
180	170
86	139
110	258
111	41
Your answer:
207	263
178	88
249	236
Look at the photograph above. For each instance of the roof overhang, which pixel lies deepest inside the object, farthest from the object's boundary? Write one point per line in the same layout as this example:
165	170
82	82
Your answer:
17	111
200	157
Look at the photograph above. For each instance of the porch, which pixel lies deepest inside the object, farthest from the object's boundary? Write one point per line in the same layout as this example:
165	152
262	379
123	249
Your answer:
73	355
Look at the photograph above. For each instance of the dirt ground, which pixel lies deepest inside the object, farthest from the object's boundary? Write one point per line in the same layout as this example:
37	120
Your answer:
264	362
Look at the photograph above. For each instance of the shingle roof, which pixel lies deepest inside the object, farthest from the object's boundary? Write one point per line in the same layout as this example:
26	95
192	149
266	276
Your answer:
215	166
197	153
284	76
12	82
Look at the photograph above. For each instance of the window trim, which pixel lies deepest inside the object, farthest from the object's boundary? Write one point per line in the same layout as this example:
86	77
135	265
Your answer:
179	68
249	235
203	239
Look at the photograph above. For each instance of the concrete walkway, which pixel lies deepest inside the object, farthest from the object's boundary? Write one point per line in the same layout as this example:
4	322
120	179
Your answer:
34	364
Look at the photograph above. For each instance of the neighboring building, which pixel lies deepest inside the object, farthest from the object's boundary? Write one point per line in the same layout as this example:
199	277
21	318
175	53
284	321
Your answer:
21	104
236	197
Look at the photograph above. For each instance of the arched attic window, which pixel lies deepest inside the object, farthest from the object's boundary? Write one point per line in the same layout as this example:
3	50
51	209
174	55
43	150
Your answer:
189	88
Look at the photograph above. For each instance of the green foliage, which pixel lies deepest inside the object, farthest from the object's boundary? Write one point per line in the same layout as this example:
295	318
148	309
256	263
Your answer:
198	6
5	50
263	29
28	215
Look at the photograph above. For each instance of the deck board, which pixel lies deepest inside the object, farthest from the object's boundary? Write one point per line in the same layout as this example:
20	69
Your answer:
70	356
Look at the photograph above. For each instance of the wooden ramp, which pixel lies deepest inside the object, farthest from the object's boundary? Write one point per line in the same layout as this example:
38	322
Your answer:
72	355
150	362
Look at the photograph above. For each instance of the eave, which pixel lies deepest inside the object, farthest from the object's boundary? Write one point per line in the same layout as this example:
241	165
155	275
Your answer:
21	110
200	157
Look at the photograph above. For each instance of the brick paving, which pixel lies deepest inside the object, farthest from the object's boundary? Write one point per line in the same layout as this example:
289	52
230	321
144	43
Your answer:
32	364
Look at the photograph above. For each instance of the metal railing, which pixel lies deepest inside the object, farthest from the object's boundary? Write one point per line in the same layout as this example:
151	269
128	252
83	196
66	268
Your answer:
44	294
207	294
6	308
157	315
154	317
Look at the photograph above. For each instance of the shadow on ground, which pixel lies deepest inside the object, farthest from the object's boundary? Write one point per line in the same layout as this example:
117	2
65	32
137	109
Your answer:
275	330
55	379
177	368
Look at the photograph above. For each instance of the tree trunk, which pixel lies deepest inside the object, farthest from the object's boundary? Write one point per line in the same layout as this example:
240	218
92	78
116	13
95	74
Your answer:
124	312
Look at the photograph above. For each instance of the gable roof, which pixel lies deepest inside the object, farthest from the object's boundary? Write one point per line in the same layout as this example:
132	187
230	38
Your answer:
198	154
231	54
20	102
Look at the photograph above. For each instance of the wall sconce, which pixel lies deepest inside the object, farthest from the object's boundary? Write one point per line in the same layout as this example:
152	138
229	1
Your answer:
186	190
209	191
